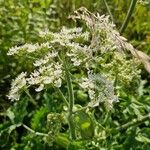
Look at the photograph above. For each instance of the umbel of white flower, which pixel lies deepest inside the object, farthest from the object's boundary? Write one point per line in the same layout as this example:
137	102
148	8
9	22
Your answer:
78	49
49	67
100	89
17	86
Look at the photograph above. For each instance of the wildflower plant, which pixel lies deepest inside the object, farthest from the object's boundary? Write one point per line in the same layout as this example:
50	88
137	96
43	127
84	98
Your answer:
99	54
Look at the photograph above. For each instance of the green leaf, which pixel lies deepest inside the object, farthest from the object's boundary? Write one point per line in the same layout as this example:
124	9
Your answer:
18	111
142	139
10	114
38	121
62	140
84	124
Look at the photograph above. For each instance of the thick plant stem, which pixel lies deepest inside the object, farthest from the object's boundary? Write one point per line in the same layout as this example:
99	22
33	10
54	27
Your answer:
108	9
71	103
128	16
135	122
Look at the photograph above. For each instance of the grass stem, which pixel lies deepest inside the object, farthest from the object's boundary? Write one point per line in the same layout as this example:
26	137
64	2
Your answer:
128	16
108	9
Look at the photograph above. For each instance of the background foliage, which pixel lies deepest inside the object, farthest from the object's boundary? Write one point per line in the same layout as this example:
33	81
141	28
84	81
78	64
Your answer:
20	22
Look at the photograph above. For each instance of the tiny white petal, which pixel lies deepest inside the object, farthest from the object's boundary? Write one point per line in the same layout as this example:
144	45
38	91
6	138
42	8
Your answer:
48	80
40	88
57	83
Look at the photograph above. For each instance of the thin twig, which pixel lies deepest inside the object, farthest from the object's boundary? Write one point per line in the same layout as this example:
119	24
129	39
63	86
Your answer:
34	132
135	122
30	97
128	16
108	9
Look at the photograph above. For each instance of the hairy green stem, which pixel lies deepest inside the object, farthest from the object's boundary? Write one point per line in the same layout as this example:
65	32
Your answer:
128	16
108	9
135	122
62	96
71	102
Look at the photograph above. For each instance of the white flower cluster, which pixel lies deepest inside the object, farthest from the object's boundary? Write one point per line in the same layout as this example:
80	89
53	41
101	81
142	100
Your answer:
27	48
45	75
49	56
127	71
78	54
17	86
70	39
104	35
101	29
107	37
88	85
50	74
100	89
65	35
